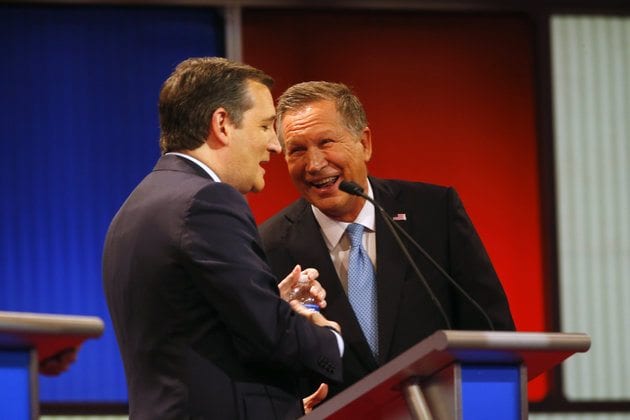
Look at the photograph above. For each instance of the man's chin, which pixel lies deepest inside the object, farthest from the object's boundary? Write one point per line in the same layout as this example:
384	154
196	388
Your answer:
336	207
328	205
258	186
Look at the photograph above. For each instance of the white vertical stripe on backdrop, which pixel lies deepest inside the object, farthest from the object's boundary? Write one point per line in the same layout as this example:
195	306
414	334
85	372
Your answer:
591	79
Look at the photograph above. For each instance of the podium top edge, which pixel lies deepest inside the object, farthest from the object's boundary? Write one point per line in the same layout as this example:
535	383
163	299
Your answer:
39	323
577	342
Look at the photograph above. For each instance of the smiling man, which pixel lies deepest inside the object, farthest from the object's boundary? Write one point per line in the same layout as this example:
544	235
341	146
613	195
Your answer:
201	328
321	151
371	289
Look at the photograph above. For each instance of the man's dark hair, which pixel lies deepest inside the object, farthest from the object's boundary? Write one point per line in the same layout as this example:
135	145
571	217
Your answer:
195	90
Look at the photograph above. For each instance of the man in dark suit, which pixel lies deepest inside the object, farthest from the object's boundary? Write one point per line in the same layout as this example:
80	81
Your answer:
201	328
326	140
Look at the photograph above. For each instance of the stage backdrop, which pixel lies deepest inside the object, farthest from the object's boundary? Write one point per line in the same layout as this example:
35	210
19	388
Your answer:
450	100
79	128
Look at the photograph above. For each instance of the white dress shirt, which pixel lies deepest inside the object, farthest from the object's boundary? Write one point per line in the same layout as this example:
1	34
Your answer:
338	243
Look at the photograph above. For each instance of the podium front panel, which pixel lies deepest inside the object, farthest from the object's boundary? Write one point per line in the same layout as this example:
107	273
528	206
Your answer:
477	391
18	387
491	392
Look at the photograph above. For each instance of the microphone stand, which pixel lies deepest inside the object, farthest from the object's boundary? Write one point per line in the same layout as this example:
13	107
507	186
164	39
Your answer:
354	189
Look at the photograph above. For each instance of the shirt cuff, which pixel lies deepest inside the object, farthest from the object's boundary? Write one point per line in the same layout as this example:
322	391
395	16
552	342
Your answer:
340	342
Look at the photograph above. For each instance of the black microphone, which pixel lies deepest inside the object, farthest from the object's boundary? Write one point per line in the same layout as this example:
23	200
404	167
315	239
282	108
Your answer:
355	189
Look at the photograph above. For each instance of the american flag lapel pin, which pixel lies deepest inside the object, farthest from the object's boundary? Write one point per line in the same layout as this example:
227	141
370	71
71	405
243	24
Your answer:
400	216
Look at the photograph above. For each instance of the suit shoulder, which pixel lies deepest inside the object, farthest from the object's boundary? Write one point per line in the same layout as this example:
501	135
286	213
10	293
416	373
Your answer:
221	196
275	229
220	190
414	188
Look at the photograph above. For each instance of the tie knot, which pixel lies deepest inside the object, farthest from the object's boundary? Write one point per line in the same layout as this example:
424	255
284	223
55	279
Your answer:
355	233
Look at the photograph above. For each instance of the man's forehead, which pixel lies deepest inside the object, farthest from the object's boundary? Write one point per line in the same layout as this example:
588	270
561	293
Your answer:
314	106
314	132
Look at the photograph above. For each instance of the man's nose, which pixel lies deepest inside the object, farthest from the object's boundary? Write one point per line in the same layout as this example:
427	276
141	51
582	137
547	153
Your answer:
274	144
315	160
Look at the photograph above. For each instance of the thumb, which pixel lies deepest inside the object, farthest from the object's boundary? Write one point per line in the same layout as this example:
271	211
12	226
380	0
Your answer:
295	273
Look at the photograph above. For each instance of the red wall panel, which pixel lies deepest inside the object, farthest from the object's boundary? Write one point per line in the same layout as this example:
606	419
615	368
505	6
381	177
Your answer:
450	100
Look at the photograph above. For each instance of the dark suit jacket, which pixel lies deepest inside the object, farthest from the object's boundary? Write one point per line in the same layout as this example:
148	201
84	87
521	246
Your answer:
195	307
436	219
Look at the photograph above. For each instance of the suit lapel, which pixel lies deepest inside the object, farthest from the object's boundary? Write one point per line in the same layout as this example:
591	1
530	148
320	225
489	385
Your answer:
315	254
391	266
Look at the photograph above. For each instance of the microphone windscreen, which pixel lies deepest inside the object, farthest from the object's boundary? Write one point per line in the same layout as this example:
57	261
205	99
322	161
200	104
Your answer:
350	187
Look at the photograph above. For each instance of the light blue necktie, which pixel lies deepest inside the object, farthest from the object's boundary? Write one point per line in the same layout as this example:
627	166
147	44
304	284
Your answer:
362	287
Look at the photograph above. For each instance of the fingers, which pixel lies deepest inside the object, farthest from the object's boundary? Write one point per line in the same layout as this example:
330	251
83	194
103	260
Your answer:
319	293
295	272
335	326
316	290
322	391
312	273
322	321
287	283
294	275
315	398
314	317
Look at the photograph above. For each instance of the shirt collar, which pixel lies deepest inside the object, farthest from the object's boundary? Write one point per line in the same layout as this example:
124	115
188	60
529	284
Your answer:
333	229
202	165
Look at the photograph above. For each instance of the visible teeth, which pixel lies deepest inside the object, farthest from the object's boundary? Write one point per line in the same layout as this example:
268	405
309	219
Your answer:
322	182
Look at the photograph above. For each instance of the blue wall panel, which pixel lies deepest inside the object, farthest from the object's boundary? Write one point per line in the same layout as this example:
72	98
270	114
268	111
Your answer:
79	128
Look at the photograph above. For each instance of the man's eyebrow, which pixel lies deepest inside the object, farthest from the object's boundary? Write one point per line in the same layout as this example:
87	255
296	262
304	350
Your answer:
269	119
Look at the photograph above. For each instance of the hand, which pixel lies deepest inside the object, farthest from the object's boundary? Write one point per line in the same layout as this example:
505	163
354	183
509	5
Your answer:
58	363
316	290
315	398
314	316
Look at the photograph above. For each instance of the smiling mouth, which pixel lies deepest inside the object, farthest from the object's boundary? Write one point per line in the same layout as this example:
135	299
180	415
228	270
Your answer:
325	182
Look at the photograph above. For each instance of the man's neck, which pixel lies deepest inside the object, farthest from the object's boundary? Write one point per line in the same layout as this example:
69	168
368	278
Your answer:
203	159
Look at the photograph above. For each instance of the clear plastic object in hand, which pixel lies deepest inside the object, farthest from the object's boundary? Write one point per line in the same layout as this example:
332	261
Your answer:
300	292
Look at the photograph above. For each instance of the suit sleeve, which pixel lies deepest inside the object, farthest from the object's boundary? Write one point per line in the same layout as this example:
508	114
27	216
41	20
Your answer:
224	255
472	269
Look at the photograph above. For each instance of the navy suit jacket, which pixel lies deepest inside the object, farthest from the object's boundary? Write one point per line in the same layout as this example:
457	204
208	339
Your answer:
195	307
436	219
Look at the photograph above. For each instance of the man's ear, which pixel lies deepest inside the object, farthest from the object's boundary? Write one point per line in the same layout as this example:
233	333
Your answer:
366	142
220	125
